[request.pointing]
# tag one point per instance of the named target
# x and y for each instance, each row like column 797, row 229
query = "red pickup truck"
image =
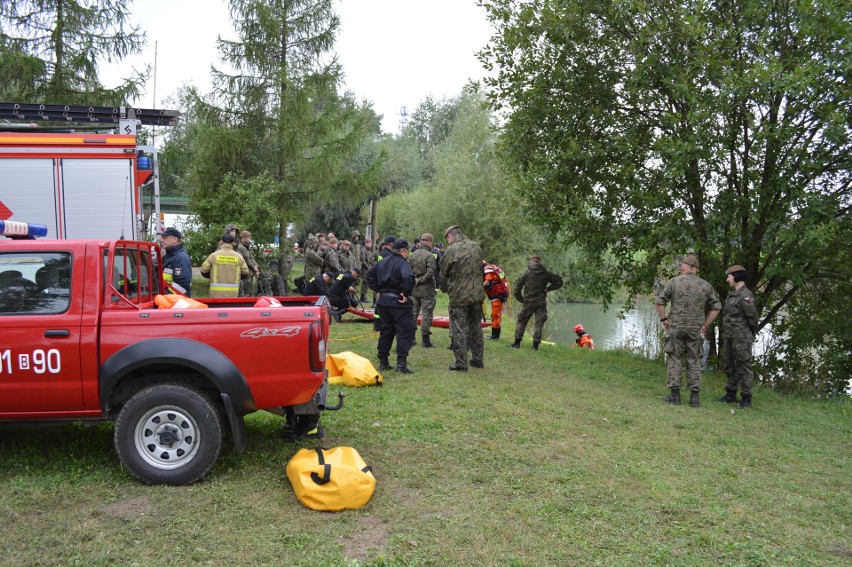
column 83, row 339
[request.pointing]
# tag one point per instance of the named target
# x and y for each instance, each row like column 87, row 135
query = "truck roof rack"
column 20, row 111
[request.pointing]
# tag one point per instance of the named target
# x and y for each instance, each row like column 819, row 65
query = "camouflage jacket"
column 330, row 262
column 346, row 260
column 424, row 266
column 739, row 317
column 461, row 272
column 313, row 261
column 534, row 284
column 690, row 297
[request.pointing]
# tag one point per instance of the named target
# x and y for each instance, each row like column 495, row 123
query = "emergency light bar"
column 14, row 229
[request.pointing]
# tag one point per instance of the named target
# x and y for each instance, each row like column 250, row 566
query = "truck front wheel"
column 168, row 434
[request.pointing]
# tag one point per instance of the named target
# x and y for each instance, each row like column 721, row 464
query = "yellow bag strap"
column 326, row 469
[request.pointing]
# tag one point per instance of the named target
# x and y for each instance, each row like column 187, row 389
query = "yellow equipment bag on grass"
column 350, row 369
column 331, row 479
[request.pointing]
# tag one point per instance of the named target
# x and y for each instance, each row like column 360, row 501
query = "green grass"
column 557, row 457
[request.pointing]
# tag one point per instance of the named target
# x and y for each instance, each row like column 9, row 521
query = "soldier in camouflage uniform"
column 685, row 325
column 244, row 248
column 739, row 325
column 424, row 266
column 328, row 253
column 313, row 260
column 346, row 258
column 531, row 289
column 461, row 279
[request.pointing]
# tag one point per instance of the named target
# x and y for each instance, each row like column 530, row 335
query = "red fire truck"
column 81, row 184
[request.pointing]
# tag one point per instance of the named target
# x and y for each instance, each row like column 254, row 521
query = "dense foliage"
column 50, row 51
column 641, row 130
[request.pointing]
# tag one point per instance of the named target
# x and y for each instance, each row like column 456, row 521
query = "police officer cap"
column 690, row 260
column 356, row 270
column 450, row 229
column 400, row 243
column 735, row 268
column 228, row 237
column 389, row 238
column 171, row 231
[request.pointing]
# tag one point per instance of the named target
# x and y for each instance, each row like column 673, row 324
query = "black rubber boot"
column 495, row 334
column 693, row 400
column 427, row 342
column 516, row 344
column 535, row 344
column 730, row 397
column 363, row 298
column 745, row 402
column 384, row 364
column 402, row 365
column 673, row 398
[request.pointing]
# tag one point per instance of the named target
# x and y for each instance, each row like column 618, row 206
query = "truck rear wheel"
column 168, row 434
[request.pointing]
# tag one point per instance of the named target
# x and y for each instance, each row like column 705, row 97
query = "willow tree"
column 296, row 134
column 648, row 128
column 50, row 51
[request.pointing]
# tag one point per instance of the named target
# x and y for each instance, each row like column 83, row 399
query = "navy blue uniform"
column 177, row 269
column 393, row 279
column 316, row 286
column 338, row 292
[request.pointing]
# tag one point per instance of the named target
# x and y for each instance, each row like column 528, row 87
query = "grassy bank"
column 557, row 457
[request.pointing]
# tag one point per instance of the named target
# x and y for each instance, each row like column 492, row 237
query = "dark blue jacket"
column 178, row 267
column 391, row 277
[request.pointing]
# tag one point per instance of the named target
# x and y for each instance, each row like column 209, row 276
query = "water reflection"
column 637, row 329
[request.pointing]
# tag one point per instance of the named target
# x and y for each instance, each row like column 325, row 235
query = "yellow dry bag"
column 351, row 369
column 331, row 479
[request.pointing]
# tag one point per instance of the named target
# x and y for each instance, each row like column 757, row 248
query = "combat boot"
column 363, row 298
column 673, row 398
column 535, row 344
column 516, row 344
column 384, row 364
column 427, row 342
column 745, row 401
column 730, row 397
column 693, row 399
column 402, row 365
column 495, row 334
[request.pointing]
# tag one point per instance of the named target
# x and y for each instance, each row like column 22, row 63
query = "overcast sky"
column 394, row 52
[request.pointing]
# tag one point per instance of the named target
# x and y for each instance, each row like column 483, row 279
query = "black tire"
column 169, row 434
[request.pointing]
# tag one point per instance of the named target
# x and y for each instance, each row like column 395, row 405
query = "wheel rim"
column 167, row 437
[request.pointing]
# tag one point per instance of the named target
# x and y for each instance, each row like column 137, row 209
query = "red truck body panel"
column 53, row 365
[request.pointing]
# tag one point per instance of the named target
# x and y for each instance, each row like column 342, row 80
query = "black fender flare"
column 194, row 355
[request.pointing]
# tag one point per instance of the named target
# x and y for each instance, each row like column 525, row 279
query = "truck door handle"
column 57, row 333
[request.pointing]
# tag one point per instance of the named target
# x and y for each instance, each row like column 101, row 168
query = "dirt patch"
column 368, row 542
column 133, row 508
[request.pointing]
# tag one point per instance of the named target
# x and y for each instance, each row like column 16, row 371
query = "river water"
column 638, row 330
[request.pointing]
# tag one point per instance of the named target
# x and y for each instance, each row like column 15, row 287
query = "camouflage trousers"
column 247, row 287
column 738, row 359
column 684, row 345
column 539, row 309
column 424, row 306
column 466, row 334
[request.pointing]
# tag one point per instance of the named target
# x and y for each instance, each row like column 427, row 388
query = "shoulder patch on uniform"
column 747, row 299
column 178, row 271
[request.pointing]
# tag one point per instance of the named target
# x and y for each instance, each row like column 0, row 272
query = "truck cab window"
column 37, row 283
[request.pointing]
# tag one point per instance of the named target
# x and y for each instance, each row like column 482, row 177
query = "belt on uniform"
column 391, row 293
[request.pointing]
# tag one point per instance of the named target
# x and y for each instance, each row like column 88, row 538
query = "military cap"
column 389, row 239
column 400, row 243
column 450, row 229
column 228, row 237
column 735, row 268
column 171, row 231
column 690, row 260
column 230, row 227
